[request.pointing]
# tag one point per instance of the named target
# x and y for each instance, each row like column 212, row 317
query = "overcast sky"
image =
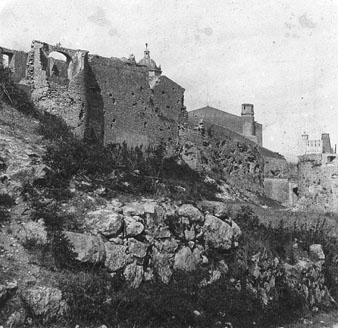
column 280, row 55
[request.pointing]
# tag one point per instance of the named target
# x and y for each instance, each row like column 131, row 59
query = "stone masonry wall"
column 318, row 181
column 66, row 101
column 16, row 61
column 133, row 112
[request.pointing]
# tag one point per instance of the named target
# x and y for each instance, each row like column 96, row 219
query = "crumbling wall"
column 17, row 61
column 275, row 167
column 238, row 163
column 168, row 100
column 133, row 112
column 318, row 181
column 66, row 100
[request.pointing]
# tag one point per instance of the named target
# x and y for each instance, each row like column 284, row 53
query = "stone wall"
column 66, row 100
column 244, row 125
column 17, row 61
column 133, row 111
column 278, row 189
column 318, row 181
column 225, row 155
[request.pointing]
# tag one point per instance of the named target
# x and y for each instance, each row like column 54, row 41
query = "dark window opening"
column 133, row 94
column 134, row 104
column 6, row 60
column 141, row 88
column 168, row 127
column 168, row 106
column 145, row 124
column 114, row 120
column 330, row 159
column 169, row 139
column 81, row 113
column 114, row 101
column 110, row 94
column 59, row 68
column 163, row 92
column 295, row 191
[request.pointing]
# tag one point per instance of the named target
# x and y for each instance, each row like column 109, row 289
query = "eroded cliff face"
column 237, row 163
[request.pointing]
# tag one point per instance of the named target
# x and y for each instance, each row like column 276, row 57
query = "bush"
column 12, row 94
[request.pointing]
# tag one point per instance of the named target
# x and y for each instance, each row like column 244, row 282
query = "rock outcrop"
column 170, row 238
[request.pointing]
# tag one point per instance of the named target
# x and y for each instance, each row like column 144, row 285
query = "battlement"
column 316, row 146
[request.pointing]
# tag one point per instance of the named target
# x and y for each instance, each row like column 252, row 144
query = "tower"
column 304, row 143
column 326, row 143
column 248, row 119
column 153, row 69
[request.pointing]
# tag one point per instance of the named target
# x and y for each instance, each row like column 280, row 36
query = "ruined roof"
column 211, row 109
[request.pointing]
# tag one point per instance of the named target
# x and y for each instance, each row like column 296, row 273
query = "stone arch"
column 59, row 69
column 6, row 60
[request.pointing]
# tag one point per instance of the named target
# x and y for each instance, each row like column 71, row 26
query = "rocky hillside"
column 132, row 238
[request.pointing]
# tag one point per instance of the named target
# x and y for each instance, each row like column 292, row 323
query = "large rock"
column 137, row 248
column 218, row 209
column 219, row 234
column 317, row 253
column 133, row 274
column 116, row 256
column 191, row 212
column 104, row 221
column 45, row 302
column 88, row 248
column 133, row 227
column 163, row 263
column 185, row 260
column 133, row 208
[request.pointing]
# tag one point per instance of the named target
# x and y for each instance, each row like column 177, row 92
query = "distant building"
column 245, row 124
column 318, row 174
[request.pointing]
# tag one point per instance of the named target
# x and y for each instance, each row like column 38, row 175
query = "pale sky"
column 280, row 55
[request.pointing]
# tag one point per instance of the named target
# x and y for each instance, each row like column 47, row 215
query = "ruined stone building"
column 318, row 174
column 110, row 99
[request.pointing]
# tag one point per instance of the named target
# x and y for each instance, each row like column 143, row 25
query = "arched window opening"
column 59, row 68
column 6, row 60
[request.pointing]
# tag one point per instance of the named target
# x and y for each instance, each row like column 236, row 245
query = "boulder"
column 133, row 227
column 215, row 208
column 45, row 302
column 191, row 212
column 163, row 263
column 185, row 260
column 116, row 256
column 137, row 248
column 317, row 253
column 133, row 208
column 133, row 274
column 88, row 248
column 104, row 221
column 219, row 234
column 167, row 245
column 189, row 234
